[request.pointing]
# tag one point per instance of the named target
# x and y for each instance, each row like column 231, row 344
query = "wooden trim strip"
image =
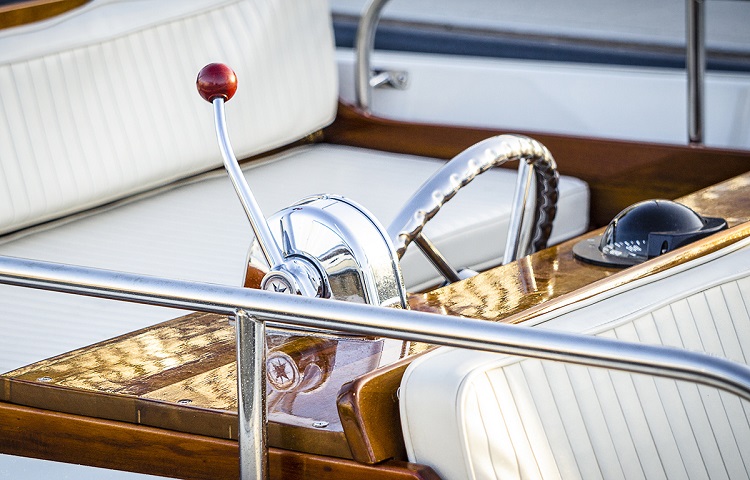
column 21, row 13
column 368, row 408
column 108, row 444
column 69, row 438
column 656, row 265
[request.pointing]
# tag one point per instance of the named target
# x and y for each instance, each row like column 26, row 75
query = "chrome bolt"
column 184, row 401
column 44, row 379
column 320, row 424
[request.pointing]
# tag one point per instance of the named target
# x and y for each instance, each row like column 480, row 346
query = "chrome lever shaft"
column 216, row 84
column 258, row 222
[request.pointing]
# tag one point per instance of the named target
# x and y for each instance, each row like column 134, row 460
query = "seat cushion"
column 196, row 230
column 100, row 103
column 499, row 416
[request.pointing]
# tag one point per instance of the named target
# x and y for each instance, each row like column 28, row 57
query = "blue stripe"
column 413, row 39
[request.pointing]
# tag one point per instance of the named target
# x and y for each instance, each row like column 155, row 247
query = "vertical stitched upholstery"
column 82, row 124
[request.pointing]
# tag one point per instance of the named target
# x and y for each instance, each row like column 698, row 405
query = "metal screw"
column 184, row 401
column 320, row 424
column 44, row 379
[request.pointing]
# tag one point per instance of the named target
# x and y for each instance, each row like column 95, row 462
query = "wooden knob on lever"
column 216, row 80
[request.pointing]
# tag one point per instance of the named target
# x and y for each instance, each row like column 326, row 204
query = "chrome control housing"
column 323, row 246
column 347, row 246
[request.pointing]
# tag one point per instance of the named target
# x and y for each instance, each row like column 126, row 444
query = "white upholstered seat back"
column 479, row 415
column 101, row 103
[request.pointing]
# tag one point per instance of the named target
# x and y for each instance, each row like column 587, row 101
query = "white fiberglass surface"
column 606, row 101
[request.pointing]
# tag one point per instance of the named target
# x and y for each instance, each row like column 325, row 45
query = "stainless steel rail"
column 695, row 62
column 253, row 308
column 251, row 395
column 364, row 44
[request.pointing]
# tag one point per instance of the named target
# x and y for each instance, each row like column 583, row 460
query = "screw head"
column 282, row 371
column 320, row 424
column 185, row 401
column 277, row 282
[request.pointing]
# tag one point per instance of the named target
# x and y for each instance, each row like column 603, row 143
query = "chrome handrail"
column 255, row 308
column 695, row 62
column 364, row 44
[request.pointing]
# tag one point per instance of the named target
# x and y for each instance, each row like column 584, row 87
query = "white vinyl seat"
column 506, row 417
column 109, row 158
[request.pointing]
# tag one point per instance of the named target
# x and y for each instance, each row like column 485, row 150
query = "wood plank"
column 142, row 361
column 520, row 290
column 517, row 292
column 368, row 408
column 121, row 446
column 181, row 375
column 108, row 444
column 21, row 13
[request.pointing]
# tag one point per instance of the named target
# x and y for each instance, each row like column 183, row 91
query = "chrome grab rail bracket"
column 364, row 77
column 397, row 79
column 251, row 395
column 255, row 306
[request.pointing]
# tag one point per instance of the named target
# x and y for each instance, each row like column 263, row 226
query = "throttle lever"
column 217, row 84
column 322, row 246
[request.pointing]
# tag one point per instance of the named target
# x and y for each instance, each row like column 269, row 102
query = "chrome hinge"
column 389, row 79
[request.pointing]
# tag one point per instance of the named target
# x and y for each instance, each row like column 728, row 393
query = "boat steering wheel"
column 460, row 171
